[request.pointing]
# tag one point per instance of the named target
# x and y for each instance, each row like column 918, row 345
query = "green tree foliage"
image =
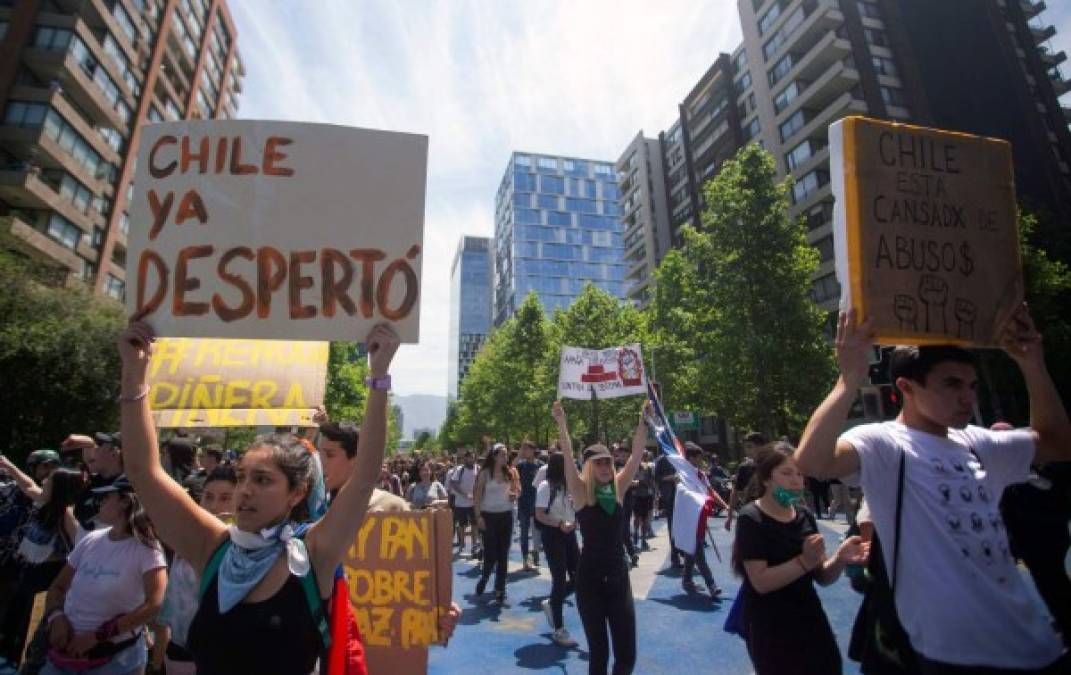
column 737, row 305
column 345, row 391
column 447, row 439
column 58, row 358
column 422, row 442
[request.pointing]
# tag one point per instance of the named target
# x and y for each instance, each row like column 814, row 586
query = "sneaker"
column 500, row 597
column 689, row 586
column 563, row 639
column 715, row 592
column 548, row 612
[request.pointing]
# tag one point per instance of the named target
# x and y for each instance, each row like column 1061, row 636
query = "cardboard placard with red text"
column 400, row 582
column 207, row 382
column 277, row 230
column 925, row 231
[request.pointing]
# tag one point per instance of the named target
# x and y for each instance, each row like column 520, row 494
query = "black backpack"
column 878, row 641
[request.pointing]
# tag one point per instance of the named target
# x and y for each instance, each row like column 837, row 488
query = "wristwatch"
column 379, row 383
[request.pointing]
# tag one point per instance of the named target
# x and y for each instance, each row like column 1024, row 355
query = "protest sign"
column 277, row 230
column 613, row 372
column 925, row 231
column 399, row 578
column 203, row 382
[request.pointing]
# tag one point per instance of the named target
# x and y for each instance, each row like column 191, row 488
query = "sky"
column 481, row 80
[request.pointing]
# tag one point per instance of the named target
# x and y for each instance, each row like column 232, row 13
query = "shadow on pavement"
column 546, row 656
column 479, row 610
column 693, row 602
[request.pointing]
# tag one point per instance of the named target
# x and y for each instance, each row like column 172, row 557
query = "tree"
column 345, row 391
column 58, row 357
column 448, row 431
column 744, row 309
column 422, row 441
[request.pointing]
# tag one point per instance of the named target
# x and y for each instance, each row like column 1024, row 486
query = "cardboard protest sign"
column 399, row 577
column 613, row 372
column 202, row 382
column 925, row 231
column 277, row 230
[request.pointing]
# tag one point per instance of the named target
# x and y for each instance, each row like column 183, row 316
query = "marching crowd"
column 170, row 557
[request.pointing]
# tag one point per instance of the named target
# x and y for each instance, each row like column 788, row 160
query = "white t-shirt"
column 540, row 476
column 466, row 483
column 562, row 508
column 108, row 579
column 959, row 594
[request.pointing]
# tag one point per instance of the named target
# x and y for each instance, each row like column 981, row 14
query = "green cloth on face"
column 604, row 495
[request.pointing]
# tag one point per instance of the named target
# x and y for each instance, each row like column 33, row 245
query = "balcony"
column 77, row 82
column 817, row 159
column 1051, row 59
column 823, row 19
column 837, row 79
column 818, row 122
column 35, row 143
column 25, row 188
column 1042, row 34
column 1059, row 84
column 1032, row 9
column 41, row 246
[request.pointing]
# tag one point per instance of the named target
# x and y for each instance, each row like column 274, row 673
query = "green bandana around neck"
column 604, row 495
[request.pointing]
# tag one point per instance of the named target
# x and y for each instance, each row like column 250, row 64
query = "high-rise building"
column 470, row 306
column 78, row 79
column 643, row 212
column 557, row 228
column 804, row 64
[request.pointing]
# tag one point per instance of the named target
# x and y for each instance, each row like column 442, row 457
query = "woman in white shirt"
column 554, row 511
column 497, row 488
column 427, row 493
column 113, row 584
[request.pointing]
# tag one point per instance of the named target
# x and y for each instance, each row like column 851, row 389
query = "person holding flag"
column 699, row 559
column 694, row 500
column 603, row 591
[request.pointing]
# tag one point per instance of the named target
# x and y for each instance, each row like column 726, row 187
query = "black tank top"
column 273, row 637
column 604, row 541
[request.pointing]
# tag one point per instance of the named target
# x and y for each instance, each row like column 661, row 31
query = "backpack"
column 878, row 640
column 345, row 658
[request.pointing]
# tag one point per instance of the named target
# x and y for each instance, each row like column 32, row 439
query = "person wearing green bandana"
column 603, row 592
column 780, row 555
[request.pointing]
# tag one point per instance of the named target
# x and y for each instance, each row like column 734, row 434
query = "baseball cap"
column 43, row 456
column 120, row 484
column 595, row 452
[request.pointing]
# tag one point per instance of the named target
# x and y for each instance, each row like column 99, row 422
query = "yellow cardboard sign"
column 925, row 230
column 201, row 382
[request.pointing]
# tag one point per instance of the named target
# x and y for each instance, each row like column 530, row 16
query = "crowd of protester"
column 181, row 556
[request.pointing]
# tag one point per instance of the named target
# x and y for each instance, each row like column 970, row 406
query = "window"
column 559, row 218
column 527, row 217
column 576, row 167
column 611, row 208
column 522, row 160
column 893, row 96
column 808, row 185
column 876, row 36
column 604, row 170
column 788, row 95
column 781, row 68
column 885, row 66
column 547, row 201
column 580, row 205
column 825, row 248
column 561, row 251
column 589, row 189
column 154, row 114
column 125, row 24
column 76, row 193
column 752, row 130
column 25, row 114
column 740, row 62
column 610, row 191
column 868, row 10
column 825, row 288
column 64, row 134
column 115, row 288
column 64, row 231
column 55, row 39
column 742, row 85
column 524, row 182
column 770, row 17
column 802, row 152
column 783, row 33
column 818, row 215
column 522, row 199
column 793, row 124
column 547, row 164
column 554, row 185
column 537, row 233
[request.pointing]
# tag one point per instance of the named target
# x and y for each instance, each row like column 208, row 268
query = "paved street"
column 677, row 633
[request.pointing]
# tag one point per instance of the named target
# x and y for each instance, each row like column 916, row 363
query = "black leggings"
column 603, row 600
column 497, row 530
column 562, row 554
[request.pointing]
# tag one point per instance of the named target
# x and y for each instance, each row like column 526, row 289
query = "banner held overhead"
column 277, row 230
column 613, row 372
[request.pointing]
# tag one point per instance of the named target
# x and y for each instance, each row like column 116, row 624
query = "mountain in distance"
column 421, row 411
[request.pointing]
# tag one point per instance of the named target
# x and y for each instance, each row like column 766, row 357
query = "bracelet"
column 135, row 398
column 378, row 383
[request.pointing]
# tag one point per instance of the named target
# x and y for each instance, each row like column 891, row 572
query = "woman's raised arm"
column 578, row 490
column 183, row 525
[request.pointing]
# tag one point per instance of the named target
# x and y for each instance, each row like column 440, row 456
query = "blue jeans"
column 525, row 516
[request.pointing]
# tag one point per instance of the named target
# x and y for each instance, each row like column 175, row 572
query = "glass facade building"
column 470, row 306
column 557, row 227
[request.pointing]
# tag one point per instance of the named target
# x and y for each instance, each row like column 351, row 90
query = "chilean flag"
column 694, row 502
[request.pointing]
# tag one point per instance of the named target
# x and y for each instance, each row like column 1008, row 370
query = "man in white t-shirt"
column 959, row 595
column 462, row 482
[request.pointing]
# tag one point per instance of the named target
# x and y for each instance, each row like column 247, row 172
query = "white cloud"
column 481, row 79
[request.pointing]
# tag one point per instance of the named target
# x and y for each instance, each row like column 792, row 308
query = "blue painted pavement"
column 676, row 632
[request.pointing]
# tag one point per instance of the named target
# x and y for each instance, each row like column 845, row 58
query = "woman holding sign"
column 263, row 580
column 603, row 592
